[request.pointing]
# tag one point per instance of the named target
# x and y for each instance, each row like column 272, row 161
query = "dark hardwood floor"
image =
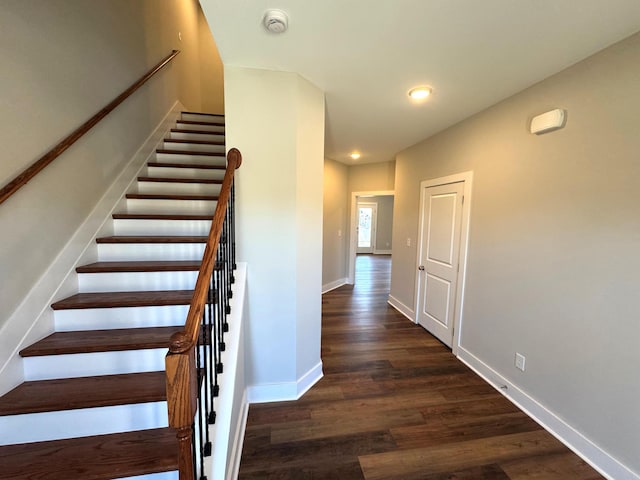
column 394, row 403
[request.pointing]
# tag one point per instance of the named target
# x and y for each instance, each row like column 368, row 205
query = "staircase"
column 93, row 405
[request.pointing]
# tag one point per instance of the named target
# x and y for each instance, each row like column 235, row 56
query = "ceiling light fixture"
column 275, row 21
column 355, row 155
column 420, row 93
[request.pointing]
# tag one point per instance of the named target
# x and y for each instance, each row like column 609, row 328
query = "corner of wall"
column 600, row 460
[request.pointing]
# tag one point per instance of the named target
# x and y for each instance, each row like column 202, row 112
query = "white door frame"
column 353, row 238
column 467, row 178
column 374, row 222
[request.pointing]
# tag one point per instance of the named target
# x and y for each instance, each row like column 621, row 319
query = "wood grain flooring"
column 395, row 403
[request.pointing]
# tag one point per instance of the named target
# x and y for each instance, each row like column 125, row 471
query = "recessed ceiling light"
column 355, row 155
column 420, row 93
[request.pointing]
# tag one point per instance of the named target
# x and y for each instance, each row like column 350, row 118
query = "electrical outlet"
column 408, row 242
column 339, row 233
column 520, row 359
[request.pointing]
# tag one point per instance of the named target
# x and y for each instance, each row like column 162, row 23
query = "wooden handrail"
column 183, row 341
column 182, row 384
column 14, row 185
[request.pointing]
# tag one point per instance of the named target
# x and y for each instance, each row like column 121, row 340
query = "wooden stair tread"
column 186, row 165
column 84, row 392
column 190, row 152
column 202, row 132
column 193, row 142
column 141, row 266
column 195, row 122
column 100, row 457
column 151, row 239
column 125, row 299
column 162, row 196
column 159, row 216
column 219, row 115
column 88, row 341
column 211, row 181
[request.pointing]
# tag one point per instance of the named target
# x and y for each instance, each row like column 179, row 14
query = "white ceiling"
column 366, row 54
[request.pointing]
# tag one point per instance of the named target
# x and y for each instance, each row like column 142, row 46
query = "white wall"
column 276, row 119
column 554, row 240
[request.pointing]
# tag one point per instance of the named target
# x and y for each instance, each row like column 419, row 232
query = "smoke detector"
column 276, row 21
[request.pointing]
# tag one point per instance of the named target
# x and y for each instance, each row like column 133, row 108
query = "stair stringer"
column 33, row 319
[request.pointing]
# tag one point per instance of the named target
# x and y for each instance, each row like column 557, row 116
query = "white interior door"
column 439, row 258
column 366, row 228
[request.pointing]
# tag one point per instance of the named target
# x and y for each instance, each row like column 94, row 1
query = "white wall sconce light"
column 549, row 121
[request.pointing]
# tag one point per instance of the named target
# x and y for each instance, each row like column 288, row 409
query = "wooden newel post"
column 182, row 402
column 185, row 455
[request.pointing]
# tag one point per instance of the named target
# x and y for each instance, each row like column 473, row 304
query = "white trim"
column 381, row 252
column 233, row 469
column 600, row 460
column 353, row 239
column 33, row 318
column 467, row 178
column 227, row 433
column 402, row 308
column 333, row 285
column 285, row 391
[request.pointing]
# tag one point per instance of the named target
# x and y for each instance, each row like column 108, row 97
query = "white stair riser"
column 83, row 422
column 207, row 137
column 136, row 281
column 137, row 205
column 122, row 317
column 161, row 227
column 200, row 117
column 190, row 159
column 179, row 188
column 200, row 128
column 111, row 252
column 176, row 172
column 97, row 363
column 193, row 147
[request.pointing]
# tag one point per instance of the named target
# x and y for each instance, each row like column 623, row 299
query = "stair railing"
column 194, row 360
column 27, row 174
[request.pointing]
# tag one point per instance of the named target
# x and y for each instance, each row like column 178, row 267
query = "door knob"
column 421, row 268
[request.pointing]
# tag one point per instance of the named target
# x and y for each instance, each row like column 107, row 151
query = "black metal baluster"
column 200, row 415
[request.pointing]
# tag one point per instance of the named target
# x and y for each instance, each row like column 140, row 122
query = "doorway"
column 356, row 199
column 442, row 252
column 366, row 228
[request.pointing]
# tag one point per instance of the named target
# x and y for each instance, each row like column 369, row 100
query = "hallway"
column 394, row 403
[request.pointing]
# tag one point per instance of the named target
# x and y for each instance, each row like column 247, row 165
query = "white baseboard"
column 309, row 379
column 285, row 391
column 402, row 308
column 600, row 460
column 33, row 319
column 381, row 252
column 333, row 285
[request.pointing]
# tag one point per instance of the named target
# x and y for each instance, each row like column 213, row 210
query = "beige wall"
column 276, row 119
column 63, row 60
column 211, row 69
column 554, row 240
column 335, row 223
column 384, row 226
column 371, row 177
